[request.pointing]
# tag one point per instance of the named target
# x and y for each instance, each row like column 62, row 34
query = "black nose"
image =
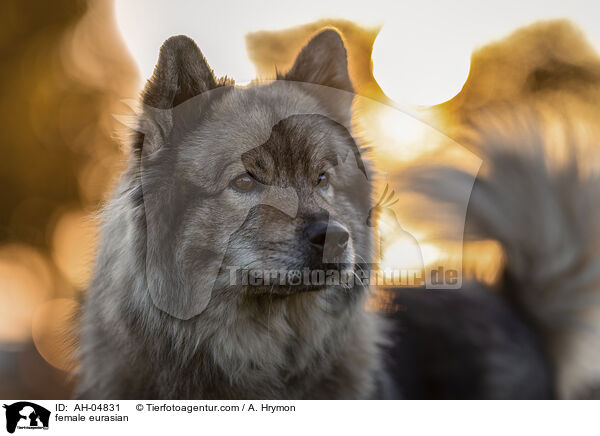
column 335, row 234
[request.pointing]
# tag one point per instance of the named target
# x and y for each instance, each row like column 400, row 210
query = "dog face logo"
column 26, row 415
column 268, row 177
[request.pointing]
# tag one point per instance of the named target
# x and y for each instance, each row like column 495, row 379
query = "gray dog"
column 225, row 177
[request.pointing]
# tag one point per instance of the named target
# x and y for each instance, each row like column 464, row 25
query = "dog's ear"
column 180, row 74
column 323, row 61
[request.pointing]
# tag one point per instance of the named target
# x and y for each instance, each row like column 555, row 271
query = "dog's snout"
column 336, row 236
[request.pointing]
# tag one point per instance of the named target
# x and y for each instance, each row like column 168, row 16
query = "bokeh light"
column 26, row 280
column 64, row 72
column 53, row 332
column 402, row 59
column 73, row 246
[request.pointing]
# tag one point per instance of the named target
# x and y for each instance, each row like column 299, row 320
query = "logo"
column 26, row 415
column 273, row 208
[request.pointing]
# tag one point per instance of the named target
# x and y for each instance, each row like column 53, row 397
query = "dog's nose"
column 335, row 234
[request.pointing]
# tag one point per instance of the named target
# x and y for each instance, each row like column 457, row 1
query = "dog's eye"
column 244, row 183
column 323, row 180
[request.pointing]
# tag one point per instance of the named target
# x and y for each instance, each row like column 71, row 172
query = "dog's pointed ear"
column 180, row 74
column 323, row 61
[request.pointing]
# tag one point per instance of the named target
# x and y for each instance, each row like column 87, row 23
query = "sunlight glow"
column 418, row 69
column 421, row 56
column 403, row 136
column 405, row 253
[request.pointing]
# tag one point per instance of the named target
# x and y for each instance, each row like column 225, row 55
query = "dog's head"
column 258, row 190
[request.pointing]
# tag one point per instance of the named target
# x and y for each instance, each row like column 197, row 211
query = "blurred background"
column 69, row 70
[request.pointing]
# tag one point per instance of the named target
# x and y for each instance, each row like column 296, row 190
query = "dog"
column 224, row 182
column 225, row 177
